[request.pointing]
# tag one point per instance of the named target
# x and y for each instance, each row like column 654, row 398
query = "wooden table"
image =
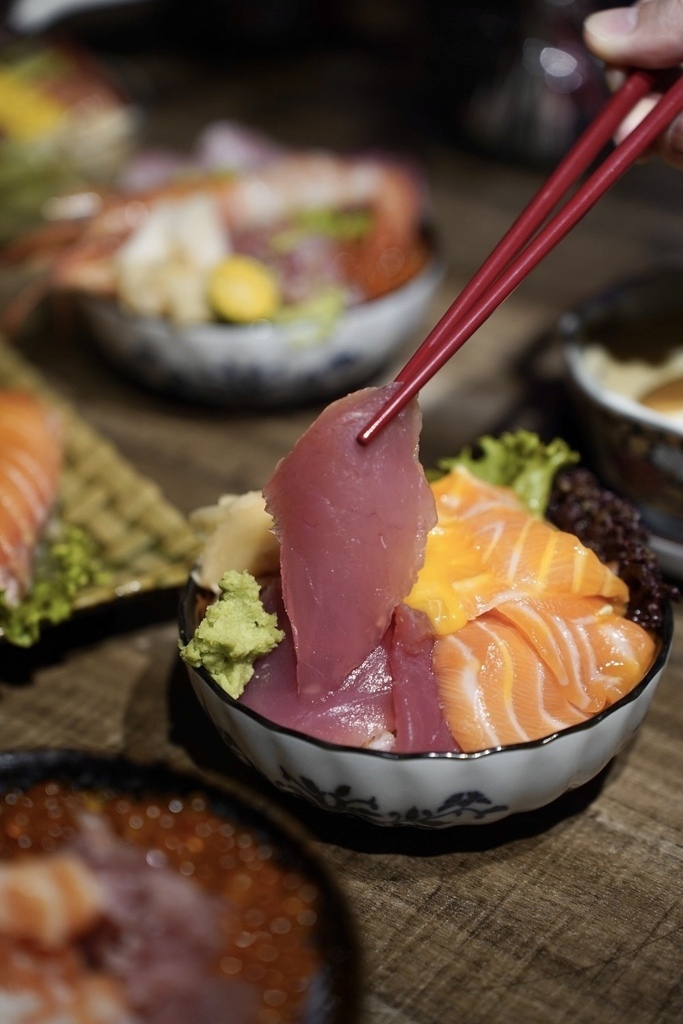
column 573, row 913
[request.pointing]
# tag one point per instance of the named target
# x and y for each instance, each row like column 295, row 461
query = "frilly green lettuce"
column 517, row 460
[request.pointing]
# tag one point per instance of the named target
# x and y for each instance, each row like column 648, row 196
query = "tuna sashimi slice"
column 352, row 523
column 420, row 723
column 358, row 713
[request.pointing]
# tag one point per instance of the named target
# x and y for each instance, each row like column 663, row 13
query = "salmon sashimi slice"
column 45, row 903
column 352, row 523
column 48, row 900
column 596, row 655
column 39, row 986
column 31, row 450
column 495, row 689
column 487, row 548
column 528, row 669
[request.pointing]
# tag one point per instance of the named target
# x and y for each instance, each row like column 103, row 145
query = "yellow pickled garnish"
column 25, row 111
column 242, row 289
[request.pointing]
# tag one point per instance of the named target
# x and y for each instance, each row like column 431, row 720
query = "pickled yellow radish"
column 243, row 289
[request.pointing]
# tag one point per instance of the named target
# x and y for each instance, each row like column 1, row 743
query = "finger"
column 670, row 144
column 648, row 34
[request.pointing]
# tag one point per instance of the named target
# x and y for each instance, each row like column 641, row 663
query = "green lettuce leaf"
column 517, row 460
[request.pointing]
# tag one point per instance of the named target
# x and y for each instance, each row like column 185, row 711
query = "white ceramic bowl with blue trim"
column 429, row 791
column 264, row 364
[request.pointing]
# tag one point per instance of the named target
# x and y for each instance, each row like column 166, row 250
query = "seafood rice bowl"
column 291, row 276
column 263, row 364
column 127, row 891
column 425, row 652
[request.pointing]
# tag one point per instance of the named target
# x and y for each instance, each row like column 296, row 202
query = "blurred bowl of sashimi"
column 424, row 653
column 246, row 275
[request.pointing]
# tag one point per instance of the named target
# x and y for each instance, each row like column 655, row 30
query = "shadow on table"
column 191, row 730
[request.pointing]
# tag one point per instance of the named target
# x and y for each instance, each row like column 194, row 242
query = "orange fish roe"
column 271, row 908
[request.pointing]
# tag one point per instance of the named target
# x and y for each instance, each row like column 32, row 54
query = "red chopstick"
column 501, row 274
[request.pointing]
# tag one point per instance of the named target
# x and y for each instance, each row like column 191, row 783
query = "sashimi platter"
column 425, row 648
column 80, row 527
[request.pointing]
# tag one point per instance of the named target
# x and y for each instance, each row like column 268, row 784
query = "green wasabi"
column 235, row 631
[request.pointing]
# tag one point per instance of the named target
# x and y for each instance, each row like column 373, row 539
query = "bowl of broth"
column 624, row 356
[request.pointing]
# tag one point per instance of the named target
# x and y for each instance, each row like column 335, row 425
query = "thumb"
column 649, row 34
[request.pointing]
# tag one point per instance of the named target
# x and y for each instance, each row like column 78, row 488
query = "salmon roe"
column 271, row 909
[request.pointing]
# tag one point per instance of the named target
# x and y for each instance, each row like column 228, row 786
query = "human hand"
column 649, row 34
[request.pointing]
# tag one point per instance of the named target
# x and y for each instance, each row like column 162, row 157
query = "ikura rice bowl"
column 125, row 901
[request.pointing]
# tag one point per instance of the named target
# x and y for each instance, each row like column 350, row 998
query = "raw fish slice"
column 56, row 986
column 360, row 712
column 495, row 689
column 542, row 559
column 596, row 655
column 352, row 523
column 48, row 900
column 420, row 723
column 30, row 463
column 488, row 549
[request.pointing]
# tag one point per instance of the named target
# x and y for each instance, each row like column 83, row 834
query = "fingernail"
column 619, row 21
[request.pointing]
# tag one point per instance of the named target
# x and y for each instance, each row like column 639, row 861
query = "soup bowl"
column 623, row 351
column 430, row 790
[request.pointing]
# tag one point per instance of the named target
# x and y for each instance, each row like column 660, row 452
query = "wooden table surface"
column 573, row 913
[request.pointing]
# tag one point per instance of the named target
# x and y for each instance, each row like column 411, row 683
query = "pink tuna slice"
column 420, row 724
column 352, row 523
column 356, row 714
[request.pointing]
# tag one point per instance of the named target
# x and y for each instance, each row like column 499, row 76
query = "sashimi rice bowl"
column 425, row 649
column 253, row 275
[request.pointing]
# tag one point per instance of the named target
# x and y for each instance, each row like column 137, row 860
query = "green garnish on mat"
column 68, row 564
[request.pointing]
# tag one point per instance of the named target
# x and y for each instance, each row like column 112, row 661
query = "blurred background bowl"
column 71, row 779
column 264, row 364
column 624, row 355
column 429, row 791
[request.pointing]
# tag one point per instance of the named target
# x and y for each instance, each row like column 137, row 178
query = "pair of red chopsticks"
column 511, row 261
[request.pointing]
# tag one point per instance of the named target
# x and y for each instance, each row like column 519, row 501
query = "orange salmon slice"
column 31, row 437
column 529, row 669
column 487, row 549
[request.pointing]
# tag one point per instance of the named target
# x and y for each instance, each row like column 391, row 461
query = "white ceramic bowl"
column 262, row 364
column 634, row 329
column 430, row 791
